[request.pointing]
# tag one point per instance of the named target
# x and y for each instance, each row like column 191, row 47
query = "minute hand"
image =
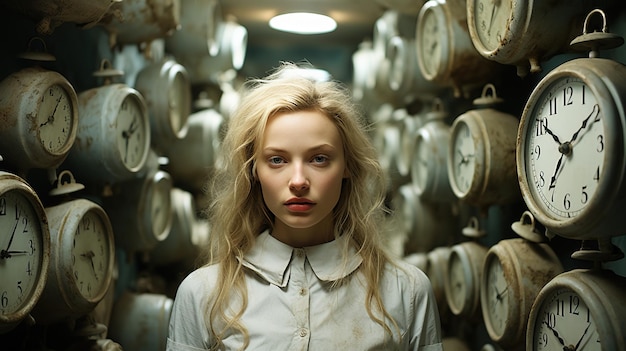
column 594, row 113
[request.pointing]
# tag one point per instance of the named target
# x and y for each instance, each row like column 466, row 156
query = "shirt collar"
column 270, row 259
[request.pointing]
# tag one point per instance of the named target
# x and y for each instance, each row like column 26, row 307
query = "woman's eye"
column 320, row 159
column 275, row 160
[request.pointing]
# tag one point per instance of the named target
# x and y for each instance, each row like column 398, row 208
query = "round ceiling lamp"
column 303, row 23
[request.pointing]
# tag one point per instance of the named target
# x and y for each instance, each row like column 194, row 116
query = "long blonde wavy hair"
column 237, row 212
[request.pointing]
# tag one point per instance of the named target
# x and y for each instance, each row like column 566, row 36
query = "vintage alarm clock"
column 166, row 89
column 581, row 309
column 445, row 53
column 24, row 250
column 514, row 271
column 464, row 271
column 481, row 155
column 113, row 138
column 429, row 172
column 524, row 33
column 40, row 125
column 82, row 258
column 141, row 211
column 570, row 150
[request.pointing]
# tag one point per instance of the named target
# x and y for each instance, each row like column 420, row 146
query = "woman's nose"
column 298, row 180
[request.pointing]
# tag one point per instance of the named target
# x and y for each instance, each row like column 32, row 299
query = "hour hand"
column 549, row 131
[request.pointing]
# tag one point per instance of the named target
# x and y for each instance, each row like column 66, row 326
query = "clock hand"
column 11, row 253
column 556, row 334
column 463, row 158
column 500, row 295
column 549, row 131
column 89, row 255
column 556, row 172
column 581, row 337
column 496, row 3
column 12, row 235
column 594, row 113
column 51, row 117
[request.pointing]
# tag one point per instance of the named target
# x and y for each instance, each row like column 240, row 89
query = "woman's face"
column 301, row 166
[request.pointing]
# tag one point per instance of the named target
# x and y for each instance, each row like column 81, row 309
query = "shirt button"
column 299, row 252
column 302, row 291
column 303, row 332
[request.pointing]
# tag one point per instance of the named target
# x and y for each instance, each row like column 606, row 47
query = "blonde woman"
column 296, row 260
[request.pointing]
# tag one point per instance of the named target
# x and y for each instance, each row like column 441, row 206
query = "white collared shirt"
column 292, row 306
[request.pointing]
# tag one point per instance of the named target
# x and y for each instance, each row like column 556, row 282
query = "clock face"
column 496, row 290
column 565, row 322
column 23, row 257
column 490, row 21
column 463, row 157
column 161, row 206
column 564, row 148
column 422, row 164
column 431, row 32
column 179, row 102
column 55, row 119
column 90, row 255
column 131, row 136
column 458, row 289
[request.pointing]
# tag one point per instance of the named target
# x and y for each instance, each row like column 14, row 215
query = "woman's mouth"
column 299, row 204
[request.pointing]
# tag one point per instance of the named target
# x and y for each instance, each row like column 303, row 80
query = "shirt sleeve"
column 187, row 329
column 425, row 330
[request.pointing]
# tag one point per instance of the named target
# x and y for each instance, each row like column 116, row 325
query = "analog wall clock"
column 579, row 310
column 445, row 53
column 570, row 151
column 141, row 211
column 481, row 155
column 513, row 32
column 82, row 258
column 462, row 284
column 166, row 88
column 429, row 172
column 514, row 271
column 41, row 126
column 24, row 250
column 113, row 135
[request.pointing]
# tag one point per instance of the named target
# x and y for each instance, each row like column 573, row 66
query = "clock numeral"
column 552, row 105
column 537, row 152
column 600, row 147
column 25, row 223
column 3, row 207
column 560, row 309
column 566, row 202
column 584, row 196
column 568, row 92
column 4, row 299
column 574, row 303
column 542, row 126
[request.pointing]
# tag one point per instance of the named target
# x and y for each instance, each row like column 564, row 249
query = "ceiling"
column 355, row 19
column 331, row 51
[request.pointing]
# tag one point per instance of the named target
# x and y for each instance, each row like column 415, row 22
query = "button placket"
column 301, row 308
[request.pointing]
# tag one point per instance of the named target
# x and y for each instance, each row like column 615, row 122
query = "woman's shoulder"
column 406, row 273
column 199, row 280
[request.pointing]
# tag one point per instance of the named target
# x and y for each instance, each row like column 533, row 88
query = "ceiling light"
column 303, row 23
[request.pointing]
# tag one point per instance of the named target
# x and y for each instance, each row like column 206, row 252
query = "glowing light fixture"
column 303, row 23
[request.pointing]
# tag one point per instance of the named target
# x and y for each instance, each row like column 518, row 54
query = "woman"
column 296, row 259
